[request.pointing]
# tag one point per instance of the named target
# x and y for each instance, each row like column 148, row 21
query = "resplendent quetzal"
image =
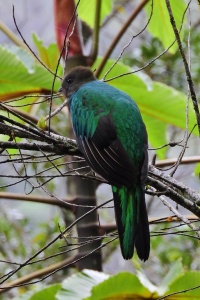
column 113, row 139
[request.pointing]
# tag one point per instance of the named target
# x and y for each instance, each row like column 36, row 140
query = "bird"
column 112, row 137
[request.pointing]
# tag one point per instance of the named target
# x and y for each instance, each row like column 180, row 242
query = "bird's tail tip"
column 132, row 222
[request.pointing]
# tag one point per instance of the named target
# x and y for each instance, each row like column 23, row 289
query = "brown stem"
column 105, row 229
column 37, row 274
column 41, row 199
column 172, row 161
column 95, row 39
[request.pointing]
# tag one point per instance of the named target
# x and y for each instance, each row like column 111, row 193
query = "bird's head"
column 74, row 79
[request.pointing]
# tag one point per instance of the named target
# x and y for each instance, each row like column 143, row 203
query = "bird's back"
column 97, row 99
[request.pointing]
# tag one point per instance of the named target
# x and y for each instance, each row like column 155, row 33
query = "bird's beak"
column 60, row 90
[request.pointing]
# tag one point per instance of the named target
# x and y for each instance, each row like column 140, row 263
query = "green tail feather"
column 132, row 221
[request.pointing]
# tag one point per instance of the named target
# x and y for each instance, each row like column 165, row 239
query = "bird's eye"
column 69, row 80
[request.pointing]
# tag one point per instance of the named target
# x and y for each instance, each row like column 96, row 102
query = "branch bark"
column 175, row 190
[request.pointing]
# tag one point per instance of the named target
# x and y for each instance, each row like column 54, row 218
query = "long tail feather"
column 132, row 221
column 142, row 240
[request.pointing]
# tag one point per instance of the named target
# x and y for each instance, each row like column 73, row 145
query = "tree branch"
column 184, row 161
column 37, row 274
column 18, row 132
column 58, row 149
column 175, row 190
column 39, row 199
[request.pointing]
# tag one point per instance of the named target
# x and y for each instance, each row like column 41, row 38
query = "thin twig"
column 179, row 292
column 50, row 115
column 37, row 274
column 154, row 59
column 178, row 215
column 53, row 241
column 59, row 59
column 50, row 270
column 27, row 45
column 119, row 35
column 128, row 44
column 187, row 69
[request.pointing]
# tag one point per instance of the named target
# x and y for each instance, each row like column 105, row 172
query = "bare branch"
column 175, row 190
column 58, row 149
column 171, row 161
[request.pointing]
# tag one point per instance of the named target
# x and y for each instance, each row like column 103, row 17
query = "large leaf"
column 20, row 77
column 120, row 286
column 189, row 280
column 78, row 286
column 86, row 11
column 48, row 55
column 93, row 285
column 159, row 104
column 47, row 293
column 160, row 25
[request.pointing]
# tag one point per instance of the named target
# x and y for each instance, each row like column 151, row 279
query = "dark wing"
column 145, row 163
column 106, row 155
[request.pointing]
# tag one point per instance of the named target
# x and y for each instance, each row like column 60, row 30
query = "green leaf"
column 48, row 55
column 197, row 170
column 84, row 280
column 189, row 280
column 41, row 293
column 160, row 25
column 157, row 102
column 25, row 57
column 120, row 286
column 86, row 11
column 17, row 80
column 47, row 293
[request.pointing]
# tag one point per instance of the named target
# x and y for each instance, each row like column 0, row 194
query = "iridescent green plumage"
column 112, row 137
